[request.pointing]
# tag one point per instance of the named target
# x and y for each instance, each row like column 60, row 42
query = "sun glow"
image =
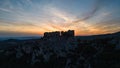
column 39, row 16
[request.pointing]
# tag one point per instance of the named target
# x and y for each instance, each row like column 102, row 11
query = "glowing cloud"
column 38, row 16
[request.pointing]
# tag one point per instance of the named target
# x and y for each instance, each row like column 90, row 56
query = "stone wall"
column 69, row 33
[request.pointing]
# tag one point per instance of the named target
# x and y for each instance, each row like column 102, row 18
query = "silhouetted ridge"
column 62, row 50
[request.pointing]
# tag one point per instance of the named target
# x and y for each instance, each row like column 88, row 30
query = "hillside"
column 98, row 51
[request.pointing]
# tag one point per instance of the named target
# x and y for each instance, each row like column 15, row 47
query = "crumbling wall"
column 69, row 33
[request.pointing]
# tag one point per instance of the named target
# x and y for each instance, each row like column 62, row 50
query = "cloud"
column 28, row 16
column 6, row 10
column 90, row 14
column 108, row 26
column 60, row 14
column 68, row 22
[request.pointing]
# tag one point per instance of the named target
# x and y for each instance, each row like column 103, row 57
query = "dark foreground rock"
column 74, row 52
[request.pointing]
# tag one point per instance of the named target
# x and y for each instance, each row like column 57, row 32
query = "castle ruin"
column 69, row 33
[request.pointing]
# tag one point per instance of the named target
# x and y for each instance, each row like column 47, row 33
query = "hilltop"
column 56, row 50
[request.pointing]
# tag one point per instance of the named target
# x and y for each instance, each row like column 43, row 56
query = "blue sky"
column 34, row 17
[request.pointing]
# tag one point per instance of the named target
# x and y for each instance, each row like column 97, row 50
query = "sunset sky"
column 34, row 17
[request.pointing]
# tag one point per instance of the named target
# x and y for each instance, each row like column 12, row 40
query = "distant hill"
column 110, row 35
column 19, row 38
